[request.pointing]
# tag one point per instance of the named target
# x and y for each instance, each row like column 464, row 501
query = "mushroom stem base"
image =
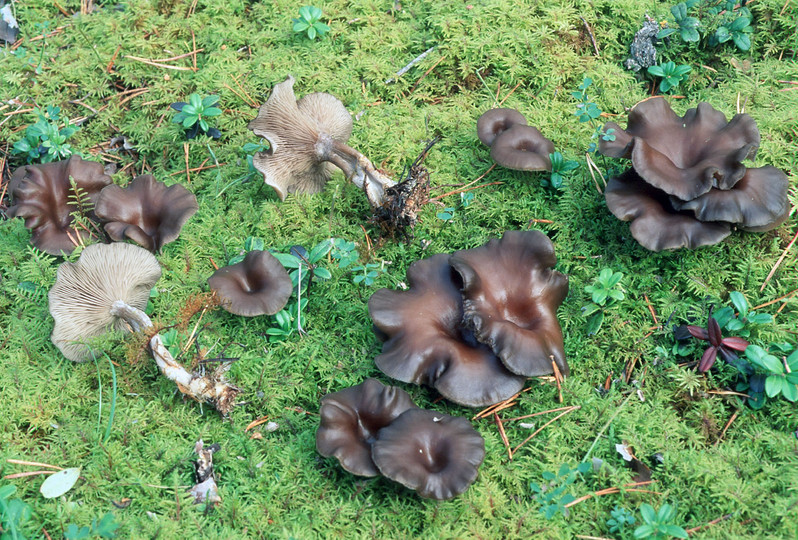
column 357, row 167
column 206, row 388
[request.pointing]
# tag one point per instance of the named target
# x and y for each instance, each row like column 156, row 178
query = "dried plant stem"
column 708, row 524
column 503, row 435
column 782, row 297
column 611, row 491
column 603, row 429
column 541, row 428
column 208, row 388
column 558, row 409
column 784, row 254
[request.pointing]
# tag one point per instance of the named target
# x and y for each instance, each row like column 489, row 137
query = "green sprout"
column 309, row 22
column 671, row 74
column 194, row 114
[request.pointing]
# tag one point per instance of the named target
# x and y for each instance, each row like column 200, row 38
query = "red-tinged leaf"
column 708, row 359
column 713, row 328
column 697, row 332
column 736, row 343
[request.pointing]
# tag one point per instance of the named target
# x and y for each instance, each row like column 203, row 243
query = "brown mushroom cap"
column 44, row 198
column 426, row 343
column 758, row 201
column 656, row 225
column 84, row 291
column 494, row 122
column 258, row 285
column 292, row 163
column 522, row 148
column 433, row 453
column 351, row 418
column 684, row 156
column 146, row 211
column 511, row 296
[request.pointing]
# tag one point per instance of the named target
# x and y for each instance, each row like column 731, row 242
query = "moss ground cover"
column 717, row 458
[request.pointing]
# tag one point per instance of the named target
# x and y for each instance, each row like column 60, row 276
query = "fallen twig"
column 541, row 428
column 784, row 254
column 412, row 63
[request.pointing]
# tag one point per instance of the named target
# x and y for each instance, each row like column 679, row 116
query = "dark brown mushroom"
column 435, row 454
column 426, row 343
column 44, row 197
column 351, row 418
column 494, row 122
column 656, row 225
column 758, row 201
column 684, row 156
column 258, row 285
column 146, row 211
column 511, row 296
column 522, row 148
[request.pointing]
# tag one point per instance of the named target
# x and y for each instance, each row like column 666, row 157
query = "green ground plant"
column 718, row 458
column 44, row 140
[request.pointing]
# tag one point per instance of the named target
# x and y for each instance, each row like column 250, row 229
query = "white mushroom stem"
column 208, row 388
column 357, row 167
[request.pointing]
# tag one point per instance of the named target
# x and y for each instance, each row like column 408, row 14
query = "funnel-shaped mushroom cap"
column 426, row 343
column 81, row 299
column 292, row 163
column 522, row 148
column 258, row 285
column 684, row 156
column 146, row 211
column 758, row 201
column 351, row 418
column 655, row 223
column 494, row 122
column 511, row 296
column 44, row 198
column 433, row 453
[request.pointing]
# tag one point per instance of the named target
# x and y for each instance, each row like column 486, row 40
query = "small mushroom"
column 522, row 148
column 656, row 225
column 44, row 197
column 758, row 201
column 510, row 300
column 684, row 156
column 426, row 342
column 435, row 454
column 494, row 122
column 304, row 137
column 109, row 286
column 258, row 285
column 146, row 211
column 351, row 418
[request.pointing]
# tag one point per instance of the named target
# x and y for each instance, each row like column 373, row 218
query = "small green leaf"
column 209, row 101
column 212, row 111
column 59, row 483
column 594, row 323
column 300, row 26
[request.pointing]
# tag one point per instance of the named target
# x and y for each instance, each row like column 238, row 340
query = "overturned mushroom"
column 494, row 122
column 258, row 285
column 426, row 343
column 351, row 418
column 146, row 211
column 656, row 224
column 511, row 296
column 435, row 454
column 683, row 156
column 108, row 287
column 303, row 138
column 522, row 148
column 44, row 196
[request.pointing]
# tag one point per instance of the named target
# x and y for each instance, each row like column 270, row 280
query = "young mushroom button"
column 258, row 285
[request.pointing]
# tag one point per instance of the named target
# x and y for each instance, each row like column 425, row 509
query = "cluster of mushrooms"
column 48, row 196
column 514, row 144
column 373, row 429
column 475, row 324
column 687, row 186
